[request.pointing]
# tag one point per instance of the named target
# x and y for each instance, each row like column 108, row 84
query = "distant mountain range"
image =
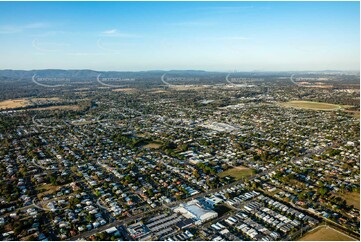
column 20, row 74
column 92, row 73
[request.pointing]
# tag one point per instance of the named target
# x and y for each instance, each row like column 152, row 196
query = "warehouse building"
column 194, row 210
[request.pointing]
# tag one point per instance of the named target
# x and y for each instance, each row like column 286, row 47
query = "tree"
column 31, row 238
column 89, row 218
column 102, row 236
column 53, row 181
column 322, row 191
column 195, row 174
column 150, row 193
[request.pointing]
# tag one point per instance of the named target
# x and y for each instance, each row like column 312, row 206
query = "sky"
column 214, row 36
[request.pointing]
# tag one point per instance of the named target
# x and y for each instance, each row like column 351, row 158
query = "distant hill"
column 91, row 73
column 86, row 74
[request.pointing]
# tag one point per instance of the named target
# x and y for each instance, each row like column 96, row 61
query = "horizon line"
column 170, row 70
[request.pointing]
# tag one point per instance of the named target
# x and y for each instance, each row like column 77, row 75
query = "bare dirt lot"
column 325, row 233
column 352, row 198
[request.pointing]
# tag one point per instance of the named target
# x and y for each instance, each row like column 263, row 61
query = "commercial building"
column 194, row 210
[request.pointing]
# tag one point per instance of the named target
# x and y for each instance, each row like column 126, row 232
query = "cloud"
column 116, row 33
column 12, row 29
column 9, row 29
column 111, row 31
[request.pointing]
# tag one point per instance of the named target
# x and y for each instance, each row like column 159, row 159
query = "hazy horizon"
column 170, row 70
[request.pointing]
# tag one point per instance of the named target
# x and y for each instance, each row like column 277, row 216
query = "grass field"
column 311, row 105
column 64, row 107
column 158, row 91
column 152, row 145
column 14, row 103
column 352, row 198
column 45, row 189
column 237, row 173
column 23, row 103
column 187, row 87
column 325, row 233
column 356, row 114
column 315, row 85
column 44, row 99
column 126, row 90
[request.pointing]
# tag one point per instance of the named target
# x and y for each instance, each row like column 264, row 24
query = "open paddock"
column 152, row 145
column 45, row 189
column 352, row 198
column 188, row 87
column 237, row 173
column 44, row 99
column 311, row 105
column 64, row 107
column 326, row 233
column 14, row 103
column 126, row 90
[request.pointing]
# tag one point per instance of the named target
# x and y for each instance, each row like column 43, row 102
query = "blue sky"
column 220, row 36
